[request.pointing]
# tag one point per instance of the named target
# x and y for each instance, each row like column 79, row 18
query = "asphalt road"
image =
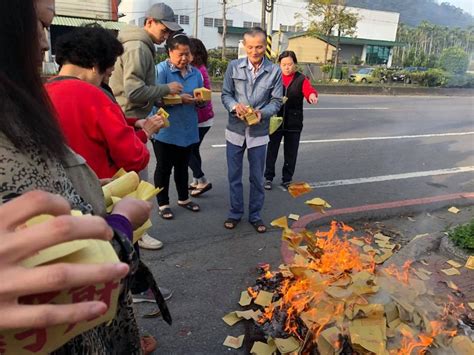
column 356, row 150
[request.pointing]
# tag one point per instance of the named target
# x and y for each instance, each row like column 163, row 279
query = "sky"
column 466, row 5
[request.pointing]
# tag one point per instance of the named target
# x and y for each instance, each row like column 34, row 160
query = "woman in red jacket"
column 93, row 124
column 296, row 88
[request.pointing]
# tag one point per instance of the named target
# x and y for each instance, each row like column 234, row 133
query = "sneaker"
column 147, row 296
column 268, row 185
column 147, row 242
column 285, row 185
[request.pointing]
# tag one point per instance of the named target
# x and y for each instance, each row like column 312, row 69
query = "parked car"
column 364, row 75
column 404, row 75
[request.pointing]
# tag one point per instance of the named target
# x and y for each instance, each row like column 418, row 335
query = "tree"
column 454, row 60
column 327, row 15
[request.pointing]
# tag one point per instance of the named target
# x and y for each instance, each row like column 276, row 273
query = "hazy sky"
column 466, row 5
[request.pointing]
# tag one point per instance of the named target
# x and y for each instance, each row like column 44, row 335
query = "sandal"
column 191, row 206
column 192, row 187
column 231, row 223
column 259, row 226
column 166, row 213
column 199, row 191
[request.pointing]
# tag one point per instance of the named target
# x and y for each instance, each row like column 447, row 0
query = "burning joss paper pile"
column 336, row 297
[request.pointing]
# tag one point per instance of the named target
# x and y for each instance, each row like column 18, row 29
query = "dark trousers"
column 169, row 157
column 290, row 150
column 195, row 162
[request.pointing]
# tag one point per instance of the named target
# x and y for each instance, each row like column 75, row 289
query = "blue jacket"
column 263, row 93
column 183, row 130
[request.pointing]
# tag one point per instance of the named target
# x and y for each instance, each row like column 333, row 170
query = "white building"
column 240, row 14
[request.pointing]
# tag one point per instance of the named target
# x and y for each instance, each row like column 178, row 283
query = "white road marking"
column 359, row 139
column 416, row 174
column 346, row 108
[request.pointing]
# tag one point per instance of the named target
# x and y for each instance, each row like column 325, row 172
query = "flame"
column 403, row 275
column 252, row 292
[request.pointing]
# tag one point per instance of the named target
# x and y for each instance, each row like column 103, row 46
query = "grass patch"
column 463, row 235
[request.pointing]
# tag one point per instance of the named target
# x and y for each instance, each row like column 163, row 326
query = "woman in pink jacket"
column 205, row 117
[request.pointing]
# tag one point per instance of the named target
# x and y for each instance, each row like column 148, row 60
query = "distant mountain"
column 412, row 12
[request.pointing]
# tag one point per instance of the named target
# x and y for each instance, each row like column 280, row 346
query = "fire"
column 403, row 275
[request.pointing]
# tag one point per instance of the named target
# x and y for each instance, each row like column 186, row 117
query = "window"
column 377, row 54
column 208, row 22
column 247, row 24
column 291, row 29
column 283, row 28
column 218, row 22
column 141, row 21
column 184, row 20
column 230, row 23
column 256, row 24
column 176, row 17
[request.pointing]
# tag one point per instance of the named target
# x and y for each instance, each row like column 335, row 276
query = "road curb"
column 378, row 210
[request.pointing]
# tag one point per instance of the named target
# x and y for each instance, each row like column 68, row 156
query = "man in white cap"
column 134, row 79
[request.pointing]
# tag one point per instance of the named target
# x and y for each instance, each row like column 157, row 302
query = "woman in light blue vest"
column 173, row 145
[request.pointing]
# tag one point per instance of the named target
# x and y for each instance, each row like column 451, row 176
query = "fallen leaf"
column 454, row 210
column 234, row 343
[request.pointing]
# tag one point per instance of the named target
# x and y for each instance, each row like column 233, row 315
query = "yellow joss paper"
column 165, row 116
column 275, row 123
column 121, row 187
column 318, row 204
column 251, row 117
column 281, row 222
column 297, row 189
column 172, row 99
column 203, row 94
column 470, row 262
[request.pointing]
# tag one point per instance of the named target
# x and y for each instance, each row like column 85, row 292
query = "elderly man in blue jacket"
column 253, row 82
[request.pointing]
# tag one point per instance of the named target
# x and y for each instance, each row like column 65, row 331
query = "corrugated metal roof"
column 78, row 22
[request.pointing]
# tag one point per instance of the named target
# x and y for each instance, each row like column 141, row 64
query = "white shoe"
column 147, row 242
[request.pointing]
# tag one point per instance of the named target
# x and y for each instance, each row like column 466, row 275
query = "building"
column 241, row 14
column 372, row 42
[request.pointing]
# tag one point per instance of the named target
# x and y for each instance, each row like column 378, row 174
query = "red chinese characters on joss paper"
column 89, row 293
column 38, row 336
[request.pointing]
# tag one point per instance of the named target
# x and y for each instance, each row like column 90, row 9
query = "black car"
column 404, row 75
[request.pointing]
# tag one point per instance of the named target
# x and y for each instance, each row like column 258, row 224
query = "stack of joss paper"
column 129, row 185
column 251, row 116
column 172, row 99
column 203, row 94
column 45, row 340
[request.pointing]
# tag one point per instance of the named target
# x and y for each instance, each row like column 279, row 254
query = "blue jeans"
column 256, row 157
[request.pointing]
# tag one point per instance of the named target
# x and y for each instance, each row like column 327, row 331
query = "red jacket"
column 95, row 127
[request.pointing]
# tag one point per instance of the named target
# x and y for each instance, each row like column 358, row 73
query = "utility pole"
column 224, row 26
column 270, row 6
column 263, row 19
column 196, row 18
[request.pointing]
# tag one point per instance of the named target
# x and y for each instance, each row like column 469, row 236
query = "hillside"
column 413, row 12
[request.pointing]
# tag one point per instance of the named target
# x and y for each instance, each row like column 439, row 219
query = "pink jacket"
column 205, row 113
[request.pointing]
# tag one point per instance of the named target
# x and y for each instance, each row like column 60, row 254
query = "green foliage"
column 460, row 81
column 327, row 68
column 454, row 60
column 463, row 236
column 217, row 67
column 345, row 72
column 431, row 78
column 160, row 57
column 355, row 60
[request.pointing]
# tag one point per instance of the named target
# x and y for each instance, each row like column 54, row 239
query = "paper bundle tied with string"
column 172, row 99
column 165, row 116
column 45, row 340
column 129, row 185
column 203, row 94
column 275, row 123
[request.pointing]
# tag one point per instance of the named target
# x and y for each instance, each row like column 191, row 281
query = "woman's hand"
column 140, row 123
column 175, row 88
column 313, row 99
column 136, row 211
column 17, row 244
column 153, row 125
column 188, row 99
column 240, row 110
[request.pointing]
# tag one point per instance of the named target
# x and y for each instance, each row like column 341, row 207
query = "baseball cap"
column 165, row 15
